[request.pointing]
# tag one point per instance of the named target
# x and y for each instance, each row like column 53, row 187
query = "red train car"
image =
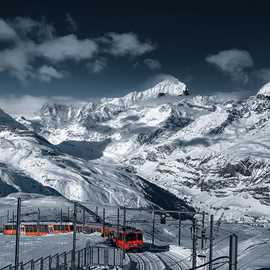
column 34, row 229
column 130, row 240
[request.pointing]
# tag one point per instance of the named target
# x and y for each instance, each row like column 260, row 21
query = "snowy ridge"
column 265, row 90
column 210, row 151
column 167, row 87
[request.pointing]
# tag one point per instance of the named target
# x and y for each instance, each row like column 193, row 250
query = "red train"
column 126, row 238
column 34, row 229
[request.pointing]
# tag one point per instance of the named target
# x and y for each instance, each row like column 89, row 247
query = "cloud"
column 22, row 105
column 262, row 74
column 125, row 44
column 72, row 24
column 47, row 73
column 6, row 31
column 36, row 50
column 152, row 63
column 67, row 48
column 234, row 62
column 28, row 106
column 16, row 61
column 97, row 66
column 28, row 28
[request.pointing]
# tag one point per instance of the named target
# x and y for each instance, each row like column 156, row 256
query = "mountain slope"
column 210, row 151
column 29, row 163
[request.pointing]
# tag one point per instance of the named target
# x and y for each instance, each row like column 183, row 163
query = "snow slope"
column 29, row 163
column 210, row 151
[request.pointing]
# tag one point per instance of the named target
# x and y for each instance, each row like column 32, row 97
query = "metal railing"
column 88, row 256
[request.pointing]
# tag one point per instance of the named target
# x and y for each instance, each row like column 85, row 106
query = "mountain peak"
column 264, row 91
column 171, row 87
column 167, row 87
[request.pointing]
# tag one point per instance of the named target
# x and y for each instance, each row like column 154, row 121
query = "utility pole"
column 211, row 239
column 153, row 228
column 179, row 229
column 97, row 214
column 103, row 223
column 61, row 218
column 18, row 230
column 125, row 216
column 84, row 218
column 118, row 222
column 38, row 220
column 194, row 244
column 13, row 218
column 203, row 230
column 73, row 259
column 233, row 252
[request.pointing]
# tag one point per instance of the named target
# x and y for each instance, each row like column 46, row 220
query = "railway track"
column 156, row 261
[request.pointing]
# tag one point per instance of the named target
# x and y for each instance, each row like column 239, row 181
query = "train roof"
column 40, row 223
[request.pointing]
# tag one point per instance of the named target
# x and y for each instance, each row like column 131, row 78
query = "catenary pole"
column 194, row 244
column 179, row 229
column 211, row 239
column 18, row 223
column 153, row 228
column 73, row 265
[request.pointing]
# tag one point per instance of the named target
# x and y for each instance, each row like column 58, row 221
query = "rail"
column 86, row 257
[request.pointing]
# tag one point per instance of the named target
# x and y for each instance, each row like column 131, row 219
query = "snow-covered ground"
column 36, row 247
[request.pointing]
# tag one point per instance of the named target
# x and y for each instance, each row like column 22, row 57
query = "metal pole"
column 203, row 230
column 84, row 216
column 18, row 223
column 153, row 228
column 194, row 244
column 118, row 222
column 38, row 221
column 13, row 218
column 103, row 223
column 7, row 216
column 68, row 215
column 233, row 252
column 124, row 218
column 211, row 239
column 73, row 266
column 96, row 213
column 179, row 229
column 61, row 218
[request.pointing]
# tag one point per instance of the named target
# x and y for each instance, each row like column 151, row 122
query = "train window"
column 121, row 236
column 31, row 228
column 131, row 237
column 10, row 227
column 139, row 236
column 43, row 228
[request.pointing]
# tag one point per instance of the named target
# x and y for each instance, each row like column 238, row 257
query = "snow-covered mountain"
column 210, row 151
column 31, row 164
column 60, row 122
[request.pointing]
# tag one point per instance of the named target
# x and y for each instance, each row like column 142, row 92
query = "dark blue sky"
column 182, row 37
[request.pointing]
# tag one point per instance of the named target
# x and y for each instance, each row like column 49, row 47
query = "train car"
column 35, row 229
column 9, row 229
column 130, row 240
column 127, row 238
